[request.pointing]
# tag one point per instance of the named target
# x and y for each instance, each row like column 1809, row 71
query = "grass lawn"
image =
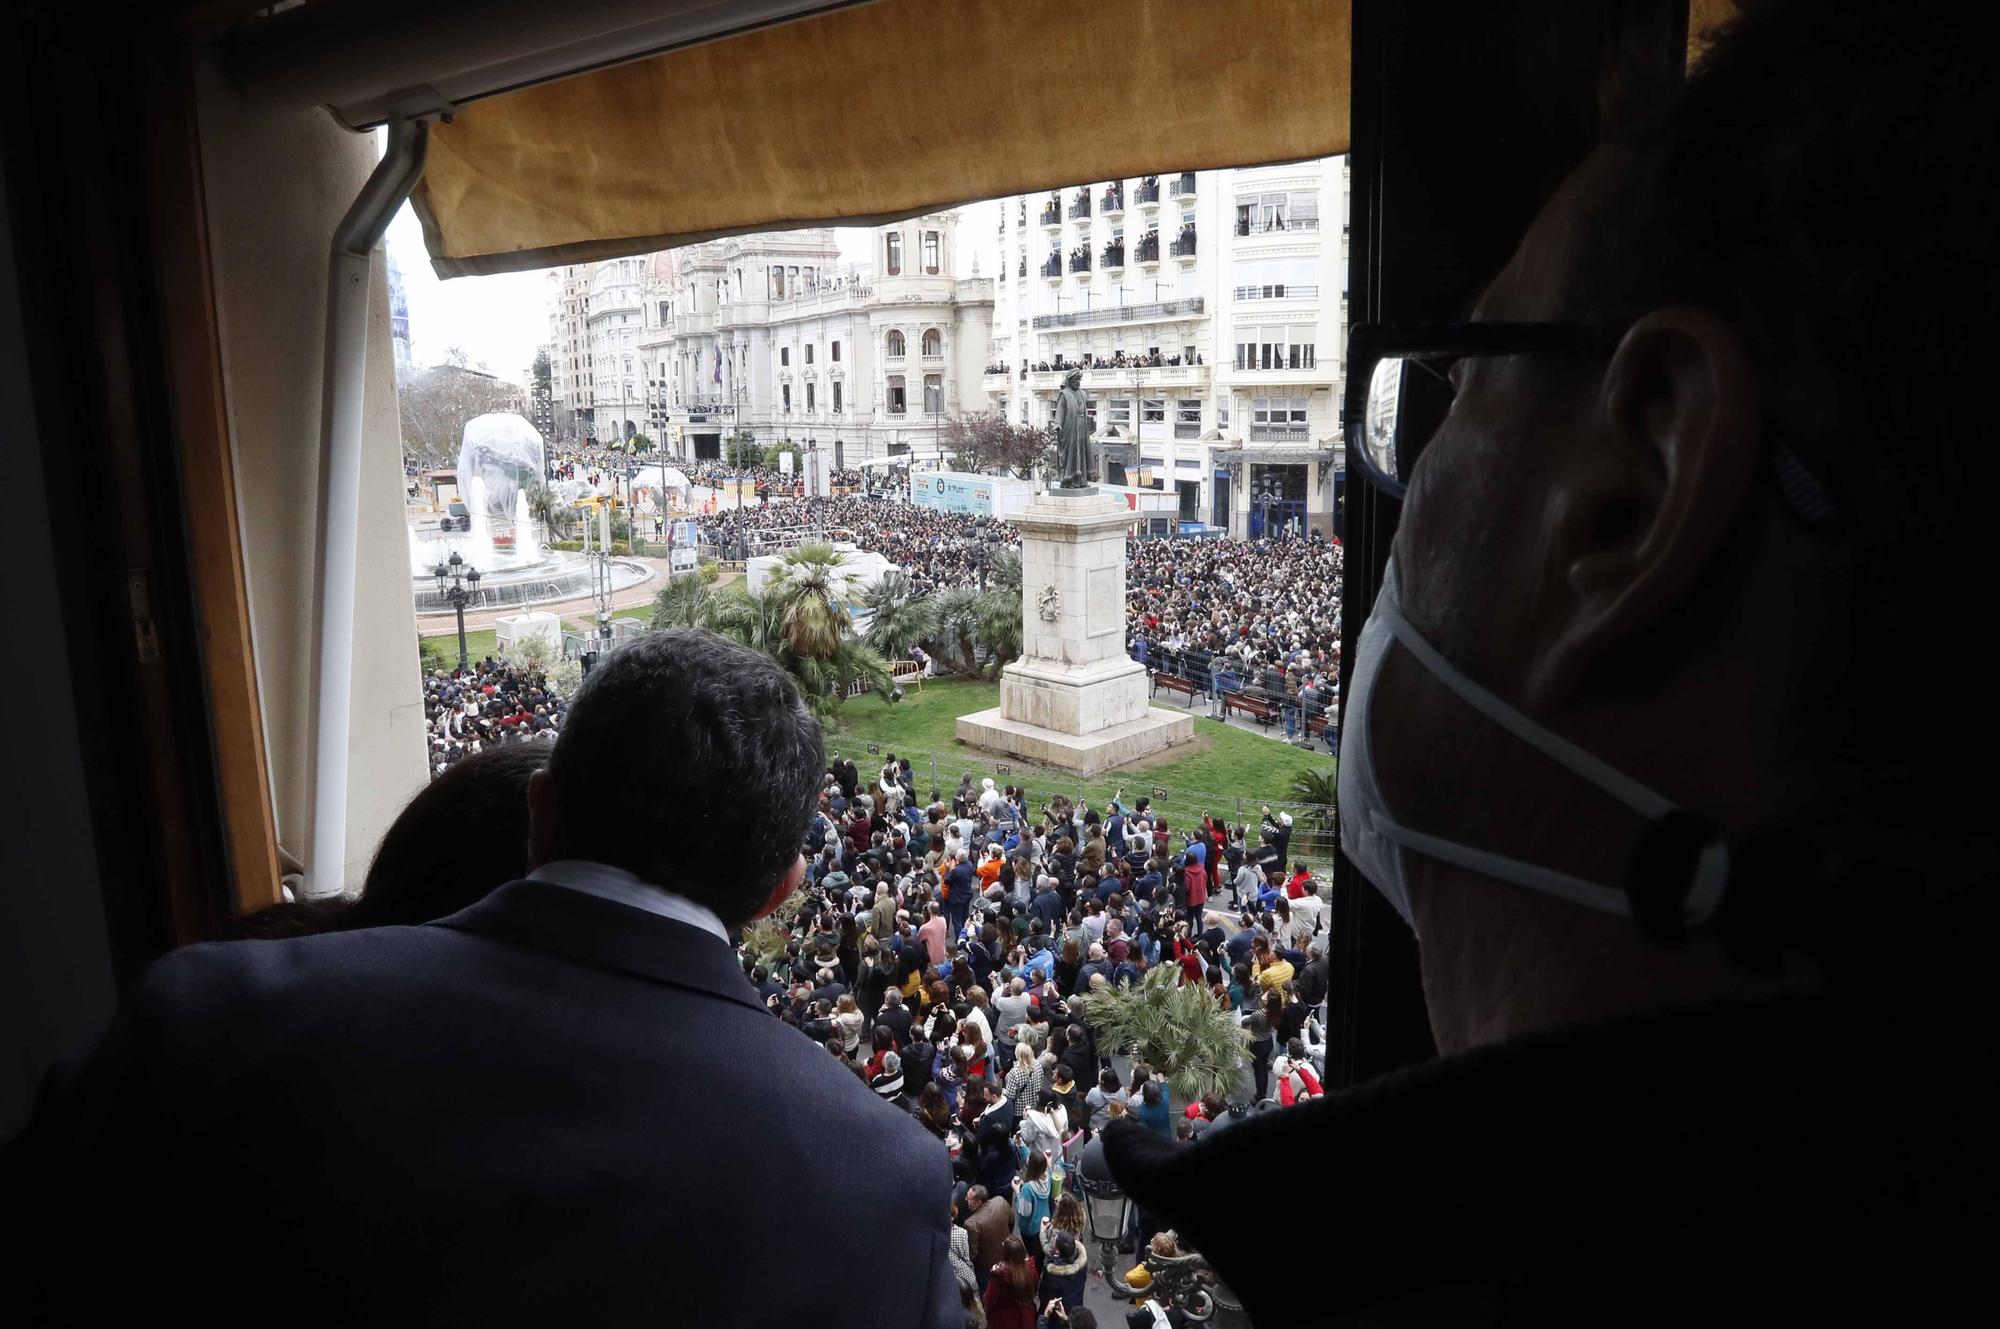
column 440, row 649
column 1222, row 765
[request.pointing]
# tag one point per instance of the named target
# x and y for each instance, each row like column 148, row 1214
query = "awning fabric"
column 876, row 112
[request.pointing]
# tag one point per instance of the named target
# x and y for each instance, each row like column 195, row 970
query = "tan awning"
column 876, row 112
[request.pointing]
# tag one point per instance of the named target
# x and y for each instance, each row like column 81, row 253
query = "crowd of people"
column 940, row 952
column 936, row 550
column 488, row 705
column 1259, row 619
column 1152, row 359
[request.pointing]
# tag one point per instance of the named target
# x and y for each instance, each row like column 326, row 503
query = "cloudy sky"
column 501, row 320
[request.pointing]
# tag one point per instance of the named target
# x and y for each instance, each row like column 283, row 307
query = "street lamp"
column 457, row 582
column 1107, row 1209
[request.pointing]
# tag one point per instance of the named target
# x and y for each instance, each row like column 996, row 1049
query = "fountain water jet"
column 527, row 547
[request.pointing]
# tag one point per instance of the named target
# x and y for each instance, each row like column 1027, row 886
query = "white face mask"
column 1376, row 842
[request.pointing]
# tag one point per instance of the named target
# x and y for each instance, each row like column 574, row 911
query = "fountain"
column 527, row 548
column 501, row 458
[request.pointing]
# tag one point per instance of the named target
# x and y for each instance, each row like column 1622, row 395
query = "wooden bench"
column 1264, row 711
column 1316, row 723
column 1175, row 683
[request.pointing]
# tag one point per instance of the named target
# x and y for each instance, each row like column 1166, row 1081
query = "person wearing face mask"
column 1654, row 731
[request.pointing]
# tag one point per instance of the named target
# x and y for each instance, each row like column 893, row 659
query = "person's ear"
column 543, row 819
column 788, row 884
column 1643, row 518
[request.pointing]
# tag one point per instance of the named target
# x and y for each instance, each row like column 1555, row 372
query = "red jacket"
column 1196, row 877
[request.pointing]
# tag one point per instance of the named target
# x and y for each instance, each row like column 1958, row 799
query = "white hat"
column 988, row 782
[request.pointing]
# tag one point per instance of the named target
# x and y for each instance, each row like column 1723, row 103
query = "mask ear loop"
column 1680, row 869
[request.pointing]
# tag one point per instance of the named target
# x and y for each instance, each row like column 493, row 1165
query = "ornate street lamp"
column 1107, row 1209
column 458, row 583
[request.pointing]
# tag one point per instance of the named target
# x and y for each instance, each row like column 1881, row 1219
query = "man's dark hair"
column 1825, row 182
column 678, row 742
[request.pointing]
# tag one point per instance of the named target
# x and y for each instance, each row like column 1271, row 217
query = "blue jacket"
column 476, row 1104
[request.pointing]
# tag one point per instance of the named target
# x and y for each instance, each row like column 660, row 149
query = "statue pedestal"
column 1074, row 699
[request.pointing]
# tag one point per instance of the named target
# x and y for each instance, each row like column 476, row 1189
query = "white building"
column 569, row 350
column 773, row 336
column 1230, row 287
column 614, row 321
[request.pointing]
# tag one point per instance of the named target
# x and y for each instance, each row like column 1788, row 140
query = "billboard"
column 947, row 492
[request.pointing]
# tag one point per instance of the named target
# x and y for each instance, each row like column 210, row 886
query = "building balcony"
column 1000, row 381
column 1079, row 206
column 1276, row 291
column 1279, row 433
column 1148, row 192
column 1275, row 226
column 1183, row 245
column 1184, row 185
column 1021, row 268
column 1147, row 376
column 1041, row 380
column 1158, row 311
column 933, row 361
column 1113, row 200
column 1052, row 266
column 1052, row 212
column 1113, row 258
column 1080, row 262
column 1149, row 248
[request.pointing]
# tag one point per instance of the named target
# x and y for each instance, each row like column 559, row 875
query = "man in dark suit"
column 565, row 1103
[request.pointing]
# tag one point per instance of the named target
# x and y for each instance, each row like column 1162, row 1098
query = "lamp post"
column 1107, row 1209
column 457, row 582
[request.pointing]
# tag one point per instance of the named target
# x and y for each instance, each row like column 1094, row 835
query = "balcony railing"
column 1271, row 226
column 1149, row 247
column 1113, row 201
column 1084, row 318
column 1149, row 189
column 1183, row 246
column 1184, row 184
column 1277, row 433
column 1052, row 213
column 1277, row 291
column 1080, row 205
column 1052, row 267
column 1080, row 262
column 1021, row 269
column 1113, row 257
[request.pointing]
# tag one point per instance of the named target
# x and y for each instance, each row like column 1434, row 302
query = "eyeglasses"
column 1399, row 364
column 1403, row 366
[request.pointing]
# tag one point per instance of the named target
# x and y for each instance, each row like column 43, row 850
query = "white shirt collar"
column 622, row 887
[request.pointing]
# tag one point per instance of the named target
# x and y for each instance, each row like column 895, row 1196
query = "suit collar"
column 609, row 935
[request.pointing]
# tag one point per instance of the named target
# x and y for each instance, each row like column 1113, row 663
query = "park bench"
column 1187, row 687
column 1265, row 712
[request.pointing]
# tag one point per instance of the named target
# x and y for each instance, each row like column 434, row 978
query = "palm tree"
column 1005, row 573
column 1178, row 1029
column 958, row 623
column 548, row 508
column 811, row 590
column 899, row 617
column 800, row 620
column 1319, row 788
column 686, row 601
column 1000, row 628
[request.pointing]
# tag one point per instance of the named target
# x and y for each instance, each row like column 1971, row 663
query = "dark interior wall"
column 1465, row 117
column 56, row 987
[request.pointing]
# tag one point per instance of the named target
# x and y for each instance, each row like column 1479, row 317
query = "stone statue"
column 1075, row 469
